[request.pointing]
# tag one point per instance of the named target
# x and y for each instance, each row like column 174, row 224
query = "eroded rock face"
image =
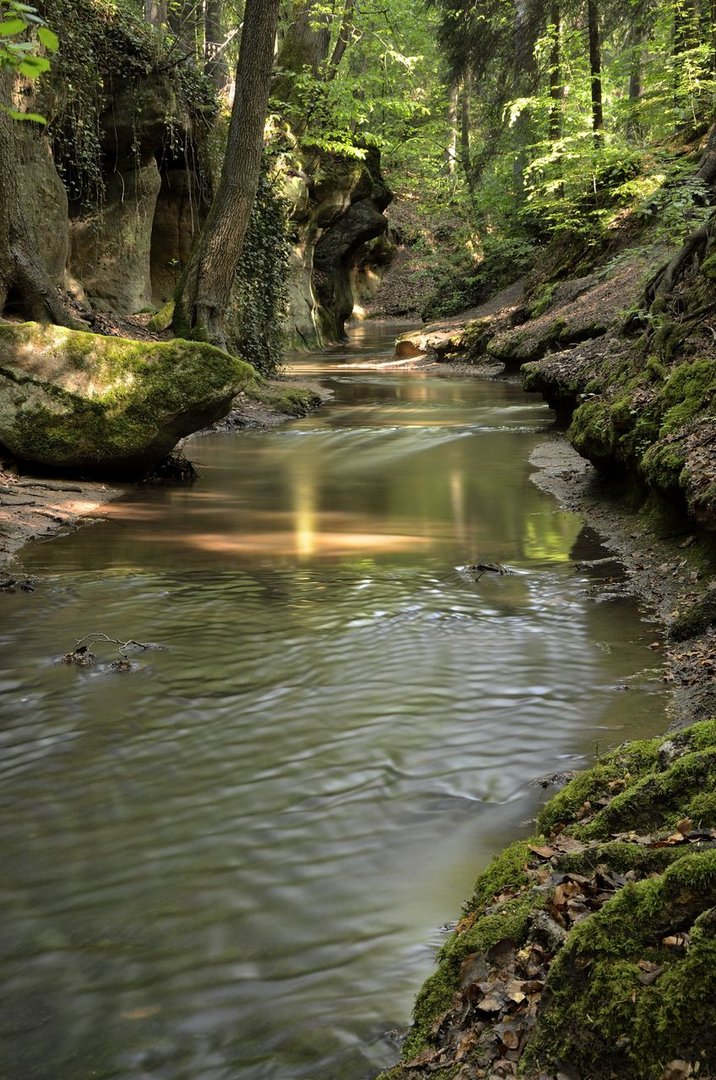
column 107, row 406
column 128, row 249
column 337, row 208
column 111, row 246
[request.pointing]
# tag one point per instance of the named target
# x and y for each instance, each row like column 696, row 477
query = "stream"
column 235, row 861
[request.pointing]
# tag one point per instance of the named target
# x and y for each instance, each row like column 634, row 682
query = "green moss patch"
column 592, row 944
column 107, row 406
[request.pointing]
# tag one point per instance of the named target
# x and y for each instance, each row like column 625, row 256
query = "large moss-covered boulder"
column 107, row 406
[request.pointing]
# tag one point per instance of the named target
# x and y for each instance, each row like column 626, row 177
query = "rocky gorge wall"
column 122, row 246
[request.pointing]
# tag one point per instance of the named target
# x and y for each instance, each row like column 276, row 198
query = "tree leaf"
column 32, row 66
column 12, row 26
column 35, row 117
column 48, row 38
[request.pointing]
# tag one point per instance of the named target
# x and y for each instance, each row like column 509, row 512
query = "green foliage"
column 24, row 38
column 103, row 45
column 260, row 291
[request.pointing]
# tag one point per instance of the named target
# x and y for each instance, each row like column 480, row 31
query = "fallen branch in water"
column 81, row 655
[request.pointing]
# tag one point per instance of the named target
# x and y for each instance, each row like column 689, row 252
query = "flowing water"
column 233, row 862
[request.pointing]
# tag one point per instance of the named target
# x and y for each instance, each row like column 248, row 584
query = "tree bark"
column 344, row 37
column 155, row 12
column 22, row 275
column 451, row 148
column 184, row 24
column 214, row 58
column 205, row 289
column 304, row 47
column 595, row 69
column 465, row 129
column 556, row 84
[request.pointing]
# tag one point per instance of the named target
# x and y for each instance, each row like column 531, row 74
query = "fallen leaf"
column 543, row 852
column 650, row 977
column 676, row 941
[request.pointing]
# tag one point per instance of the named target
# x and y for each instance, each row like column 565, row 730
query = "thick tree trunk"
column 707, row 165
column 304, row 48
column 204, row 291
column 595, row 69
column 22, row 276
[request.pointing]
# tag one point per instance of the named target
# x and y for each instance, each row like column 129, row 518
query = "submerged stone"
column 107, row 406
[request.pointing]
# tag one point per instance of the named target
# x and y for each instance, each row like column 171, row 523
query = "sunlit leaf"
column 32, row 66
column 48, row 38
column 34, row 117
column 11, row 26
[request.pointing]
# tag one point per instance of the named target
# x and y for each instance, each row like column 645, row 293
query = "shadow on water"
column 233, row 861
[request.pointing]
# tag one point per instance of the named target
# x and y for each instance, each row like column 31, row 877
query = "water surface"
column 233, row 862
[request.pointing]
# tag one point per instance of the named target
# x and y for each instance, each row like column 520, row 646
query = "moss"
column 475, row 338
column 708, row 267
column 624, row 766
column 592, row 433
column 621, row 857
column 505, row 872
column 163, row 318
column 288, row 400
column 688, row 392
column 97, row 402
column 699, row 618
column 662, row 465
column 542, row 300
column 598, row 1011
column 655, row 368
column 510, row 921
column 657, row 800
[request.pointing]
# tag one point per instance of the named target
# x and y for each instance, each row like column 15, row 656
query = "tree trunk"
column 633, row 127
column 451, row 148
column 184, row 24
column 465, row 128
column 214, row 58
column 344, row 37
column 556, row 85
column 155, row 12
column 595, row 69
column 22, row 276
column 304, row 47
column 205, row 289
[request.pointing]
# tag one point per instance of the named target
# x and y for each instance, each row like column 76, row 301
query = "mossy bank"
column 590, row 947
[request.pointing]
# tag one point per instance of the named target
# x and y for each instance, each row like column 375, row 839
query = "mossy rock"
column 601, row 1014
column 630, row 985
column 107, row 406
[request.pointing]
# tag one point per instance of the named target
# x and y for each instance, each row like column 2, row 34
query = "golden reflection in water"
column 319, row 542
column 304, row 517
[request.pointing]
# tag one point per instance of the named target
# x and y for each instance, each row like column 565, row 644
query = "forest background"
column 503, row 128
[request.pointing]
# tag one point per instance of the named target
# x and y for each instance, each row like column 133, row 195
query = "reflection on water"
column 233, row 862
